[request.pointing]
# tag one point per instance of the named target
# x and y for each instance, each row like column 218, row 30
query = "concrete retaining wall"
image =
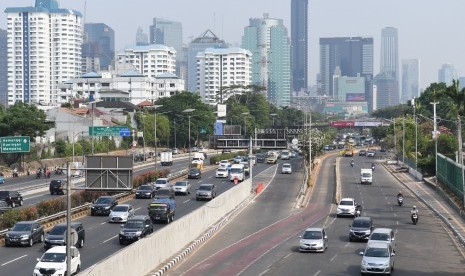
column 142, row 257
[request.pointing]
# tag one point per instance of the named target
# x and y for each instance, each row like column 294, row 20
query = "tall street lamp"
column 245, row 123
column 92, row 116
column 273, row 115
column 155, row 131
column 189, row 111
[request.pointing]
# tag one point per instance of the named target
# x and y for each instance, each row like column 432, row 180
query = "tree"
column 23, row 119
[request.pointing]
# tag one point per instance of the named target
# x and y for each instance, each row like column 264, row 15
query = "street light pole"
column 189, row 110
column 435, row 137
column 245, row 123
column 310, row 140
column 403, row 140
column 416, row 134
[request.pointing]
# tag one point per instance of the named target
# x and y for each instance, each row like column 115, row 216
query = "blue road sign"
column 125, row 132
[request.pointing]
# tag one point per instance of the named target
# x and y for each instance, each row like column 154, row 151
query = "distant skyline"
column 427, row 30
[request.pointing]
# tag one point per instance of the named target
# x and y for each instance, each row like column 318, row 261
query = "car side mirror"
column 393, row 254
column 350, row 226
column 147, row 225
column 326, row 237
column 38, row 259
column 300, row 237
column 121, row 226
column 360, row 253
column 393, row 239
column 33, row 230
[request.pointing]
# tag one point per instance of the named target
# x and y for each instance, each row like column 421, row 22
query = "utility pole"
column 403, row 141
column 435, row 137
column 416, row 134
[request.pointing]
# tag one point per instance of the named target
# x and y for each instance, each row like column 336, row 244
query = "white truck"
column 366, row 176
column 237, row 171
column 198, row 158
column 166, row 158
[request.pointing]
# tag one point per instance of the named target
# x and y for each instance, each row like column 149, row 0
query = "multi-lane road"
column 101, row 236
column 264, row 238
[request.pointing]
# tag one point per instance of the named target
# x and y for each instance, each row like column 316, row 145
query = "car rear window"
column 346, row 202
column 379, row 237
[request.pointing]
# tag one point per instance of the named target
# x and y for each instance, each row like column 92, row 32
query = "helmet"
column 400, row 192
column 414, row 207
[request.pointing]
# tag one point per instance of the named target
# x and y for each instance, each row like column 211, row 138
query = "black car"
column 361, row 229
column 146, row 191
column 135, row 229
column 25, row 233
column 165, row 193
column 57, row 186
column 362, row 153
column 260, row 158
column 194, row 173
column 13, row 198
column 56, row 236
column 103, row 205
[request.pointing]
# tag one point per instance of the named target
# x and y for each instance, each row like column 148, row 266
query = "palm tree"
column 458, row 97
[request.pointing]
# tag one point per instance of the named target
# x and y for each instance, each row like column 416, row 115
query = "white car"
column 77, row 173
column 378, row 257
column 162, row 183
column 182, row 187
column 222, row 172
column 121, row 213
column 286, row 168
column 313, row 239
column 223, row 163
column 346, row 207
column 53, row 262
column 385, row 235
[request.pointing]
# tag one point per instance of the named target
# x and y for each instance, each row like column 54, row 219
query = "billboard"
column 342, row 123
column 232, row 130
column 355, row 97
column 221, row 110
column 219, row 127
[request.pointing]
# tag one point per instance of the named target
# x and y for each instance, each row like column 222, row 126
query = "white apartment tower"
column 149, row 60
column 44, row 50
column 221, row 68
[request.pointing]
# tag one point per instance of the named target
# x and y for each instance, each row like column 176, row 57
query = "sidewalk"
column 436, row 199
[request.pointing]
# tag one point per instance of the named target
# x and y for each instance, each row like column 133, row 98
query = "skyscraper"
column 447, row 73
column 389, row 62
column 387, row 90
column 169, row 33
column 299, row 44
column 98, row 47
column 38, row 61
column 410, row 79
column 206, row 40
column 353, row 56
column 141, row 37
column 3, row 68
column 267, row 39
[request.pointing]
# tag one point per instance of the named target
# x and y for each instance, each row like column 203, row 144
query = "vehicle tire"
column 92, row 213
column 197, row 198
column 41, row 238
column 13, row 204
column 21, row 202
column 189, row 192
column 78, row 269
column 31, row 242
column 121, row 242
column 351, row 240
column 80, row 243
column 167, row 219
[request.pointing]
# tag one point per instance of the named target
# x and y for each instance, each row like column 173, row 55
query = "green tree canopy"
column 23, row 119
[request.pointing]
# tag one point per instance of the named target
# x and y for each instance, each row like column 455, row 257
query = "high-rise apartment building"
column 447, row 73
column 389, row 62
column 3, row 68
column 98, row 49
column 352, row 55
column 149, row 60
column 141, row 37
column 169, row 33
column 267, row 39
column 299, row 44
column 44, row 50
column 387, row 91
column 220, row 68
column 410, row 79
column 206, row 40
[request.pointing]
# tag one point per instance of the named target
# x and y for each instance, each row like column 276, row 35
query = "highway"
column 101, row 236
column 264, row 238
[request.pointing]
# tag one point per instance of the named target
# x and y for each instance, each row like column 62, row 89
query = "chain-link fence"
column 449, row 174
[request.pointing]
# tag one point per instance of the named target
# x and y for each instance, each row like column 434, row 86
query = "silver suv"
column 205, row 191
column 377, row 258
column 385, row 235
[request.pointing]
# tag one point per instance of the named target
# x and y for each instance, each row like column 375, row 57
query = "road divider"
column 259, row 188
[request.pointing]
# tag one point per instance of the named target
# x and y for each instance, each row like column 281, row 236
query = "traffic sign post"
column 15, row 144
column 109, row 131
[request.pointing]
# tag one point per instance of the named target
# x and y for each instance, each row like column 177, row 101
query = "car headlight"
column 339, row 209
column 364, row 262
column 47, row 239
column 386, row 263
column 138, row 233
column 107, row 207
column 24, row 237
column 7, row 236
column 37, row 268
column 121, row 233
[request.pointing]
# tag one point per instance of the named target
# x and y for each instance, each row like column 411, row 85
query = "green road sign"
column 14, row 144
column 202, row 130
column 107, row 131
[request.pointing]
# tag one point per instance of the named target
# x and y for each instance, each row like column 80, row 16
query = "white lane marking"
column 288, row 254
column 318, row 272
column 346, row 245
column 334, row 257
column 392, row 208
column 263, row 273
column 103, row 223
column 109, row 239
column 186, row 201
column 397, row 222
column 14, row 260
column 137, row 209
column 395, row 214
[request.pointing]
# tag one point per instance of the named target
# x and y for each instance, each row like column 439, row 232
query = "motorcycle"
column 372, row 167
column 414, row 218
column 400, row 200
column 358, row 210
column 352, row 163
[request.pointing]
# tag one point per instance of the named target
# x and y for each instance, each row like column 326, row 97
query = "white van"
column 237, row 171
column 366, row 176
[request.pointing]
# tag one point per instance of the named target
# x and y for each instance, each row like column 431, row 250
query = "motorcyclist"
column 352, row 162
column 414, row 210
column 373, row 166
column 400, row 194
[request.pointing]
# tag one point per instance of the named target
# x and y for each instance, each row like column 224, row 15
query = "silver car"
column 378, row 258
column 182, row 187
column 385, row 235
column 286, row 168
column 121, row 213
column 313, row 239
column 205, row 191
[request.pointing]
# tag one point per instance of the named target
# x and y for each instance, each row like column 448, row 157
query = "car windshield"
column 286, row 166
column 377, row 252
column 366, row 175
column 379, row 237
column 205, row 188
column 222, row 169
column 22, row 227
column 163, row 192
column 103, row 200
column 58, row 230
column 180, row 184
column 312, row 235
column 160, row 181
column 361, row 224
column 53, row 257
column 121, row 208
column 193, row 171
column 236, row 170
column 347, row 202
column 158, row 208
column 134, row 224
column 145, row 188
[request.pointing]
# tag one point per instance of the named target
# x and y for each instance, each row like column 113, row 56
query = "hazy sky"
column 430, row 30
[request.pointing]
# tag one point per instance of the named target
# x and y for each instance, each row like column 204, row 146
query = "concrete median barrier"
column 142, row 257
